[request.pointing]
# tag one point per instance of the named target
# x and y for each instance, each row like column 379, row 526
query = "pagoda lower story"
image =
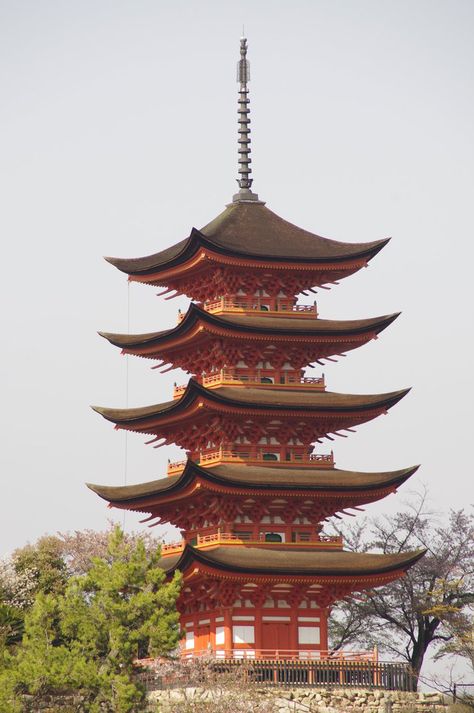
column 241, row 600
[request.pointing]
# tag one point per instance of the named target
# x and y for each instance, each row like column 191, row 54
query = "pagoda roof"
column 285, row 326
column 259, row 560
column 263, row 400
column 251, row 230
column 257, row 478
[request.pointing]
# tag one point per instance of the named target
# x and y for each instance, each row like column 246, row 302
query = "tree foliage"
column 85, row 639
column 424, row 609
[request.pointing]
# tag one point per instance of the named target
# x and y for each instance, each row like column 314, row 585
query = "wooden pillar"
column 228, row 631
column 294, row 630
column 323, row 633
column 258, row 631
column 212, row 631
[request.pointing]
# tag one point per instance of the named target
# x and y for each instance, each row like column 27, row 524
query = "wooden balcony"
column 327, row 542
column 282, row 308
column 313, row 460
column 228, row 378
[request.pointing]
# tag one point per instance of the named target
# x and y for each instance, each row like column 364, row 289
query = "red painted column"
column 212, row 634
column 294, row 630
column 324, row 613
column 258, row 631
column 228, row 631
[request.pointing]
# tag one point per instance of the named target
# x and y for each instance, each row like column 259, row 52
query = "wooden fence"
column 316, row 674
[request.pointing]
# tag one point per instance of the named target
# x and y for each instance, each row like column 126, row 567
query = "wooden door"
column 203, row 638
column 276, row 636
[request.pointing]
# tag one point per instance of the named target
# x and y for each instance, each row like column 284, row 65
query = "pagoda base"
column 256, row 632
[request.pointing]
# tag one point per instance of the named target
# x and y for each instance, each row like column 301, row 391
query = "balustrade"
column 259, row 306
column 228, row 378
column 286, row 654
column 316, row 460
column 285, row 306
column 226, row 538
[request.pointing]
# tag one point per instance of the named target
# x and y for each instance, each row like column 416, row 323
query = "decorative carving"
column 228, row 593
column 296, row 596
column 259, row 595
column 331, row 593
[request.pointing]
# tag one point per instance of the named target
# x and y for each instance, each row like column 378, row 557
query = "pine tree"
column 85, row 641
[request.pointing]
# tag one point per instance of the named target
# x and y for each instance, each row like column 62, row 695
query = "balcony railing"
column 314, row 460
column 228, row 378
column 285, row 654
column 242, row 306
column 228, row 538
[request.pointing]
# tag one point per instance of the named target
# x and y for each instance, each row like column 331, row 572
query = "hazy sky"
column 118, row 134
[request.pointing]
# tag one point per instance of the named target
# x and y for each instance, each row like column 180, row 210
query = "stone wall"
column 67, row 703
column 313, row 700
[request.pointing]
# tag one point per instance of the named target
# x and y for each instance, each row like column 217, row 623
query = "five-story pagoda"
column 251, row 499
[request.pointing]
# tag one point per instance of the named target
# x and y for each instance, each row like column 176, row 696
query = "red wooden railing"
column 226, row 377
column 283, row 654
column 317, row 460
column 217, row 538
column 285, row 306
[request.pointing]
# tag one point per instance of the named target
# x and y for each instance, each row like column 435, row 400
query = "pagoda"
column 252, row 497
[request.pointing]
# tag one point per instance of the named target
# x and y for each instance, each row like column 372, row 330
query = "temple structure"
column 252, row 497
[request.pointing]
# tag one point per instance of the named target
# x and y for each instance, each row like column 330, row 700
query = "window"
column 270, row 456
column 273, row 537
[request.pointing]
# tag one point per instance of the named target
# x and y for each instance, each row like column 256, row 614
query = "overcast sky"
column 118, row 134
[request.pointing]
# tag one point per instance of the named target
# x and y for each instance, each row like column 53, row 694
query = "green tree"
column 86, row 640
column 11, row 625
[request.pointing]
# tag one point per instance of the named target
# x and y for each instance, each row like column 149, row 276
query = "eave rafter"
column 211, row 275
column 244, row 246
column 220, row 351
column 210, row 505
column 204, row 341
column 202, row 582
column 201, row 417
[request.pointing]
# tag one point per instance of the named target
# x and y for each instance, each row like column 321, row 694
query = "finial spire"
column 245, row 170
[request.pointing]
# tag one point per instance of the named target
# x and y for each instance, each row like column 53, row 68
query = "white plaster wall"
column 243, row 634
column 308, row 635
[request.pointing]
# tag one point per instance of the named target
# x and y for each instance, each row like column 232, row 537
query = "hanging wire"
column 125, row 454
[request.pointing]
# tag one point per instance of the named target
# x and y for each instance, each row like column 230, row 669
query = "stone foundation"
column 317, row 700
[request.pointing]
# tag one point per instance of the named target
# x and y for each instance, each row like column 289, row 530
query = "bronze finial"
column 244, row 180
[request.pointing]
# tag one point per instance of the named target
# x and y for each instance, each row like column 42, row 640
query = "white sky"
column 118, row 134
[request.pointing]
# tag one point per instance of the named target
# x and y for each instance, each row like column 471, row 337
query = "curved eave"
column 234, row 233
column 286, row 326
column 275, row 479
column 162, row 260
column 255, row 561
column 255, row 399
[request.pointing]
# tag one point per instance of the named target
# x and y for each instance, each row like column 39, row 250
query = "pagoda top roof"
column 246, row 229
column 259, row 560
column 255, row 323
column 257, row 478
column 274, row 399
